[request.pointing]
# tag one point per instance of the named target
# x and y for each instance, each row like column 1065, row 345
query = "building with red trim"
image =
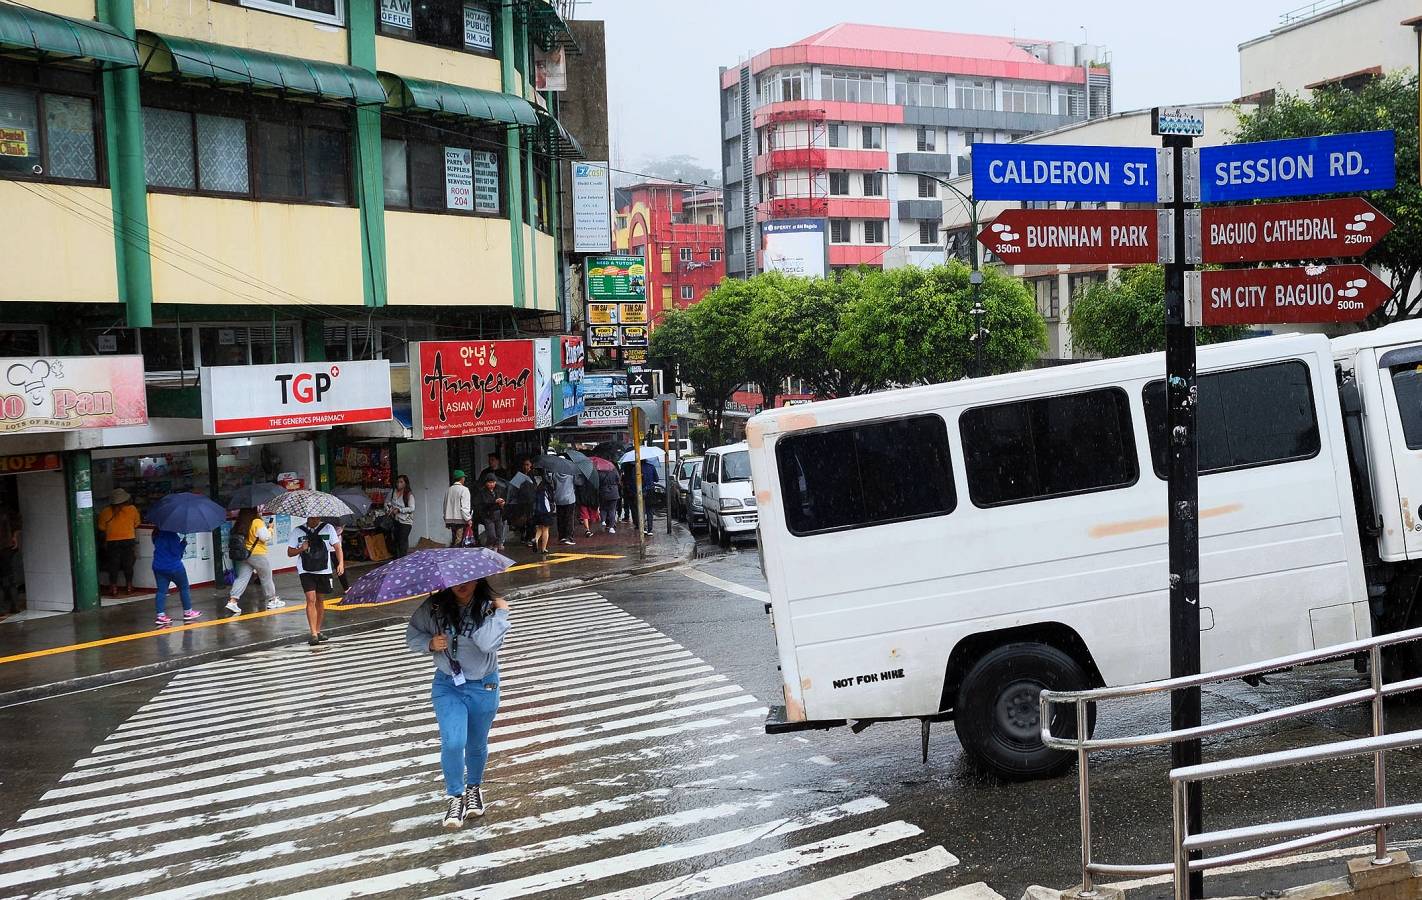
column 681, row 232
column 837, row 126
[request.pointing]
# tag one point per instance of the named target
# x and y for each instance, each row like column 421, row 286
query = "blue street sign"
column 1063, row 172
column 1335, row 164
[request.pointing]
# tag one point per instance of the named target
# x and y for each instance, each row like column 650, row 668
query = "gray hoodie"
column 478, row 652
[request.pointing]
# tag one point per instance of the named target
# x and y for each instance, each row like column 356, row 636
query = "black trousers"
column 402, row 539
column 567, row 521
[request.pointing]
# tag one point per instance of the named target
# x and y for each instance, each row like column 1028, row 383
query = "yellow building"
column 246, row 182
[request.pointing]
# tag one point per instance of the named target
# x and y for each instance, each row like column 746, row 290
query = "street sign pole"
column 1183, row 493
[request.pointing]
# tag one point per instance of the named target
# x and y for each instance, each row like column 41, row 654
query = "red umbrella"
column 602, row 464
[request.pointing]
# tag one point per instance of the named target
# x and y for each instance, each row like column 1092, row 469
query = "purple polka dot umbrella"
column 424, row 572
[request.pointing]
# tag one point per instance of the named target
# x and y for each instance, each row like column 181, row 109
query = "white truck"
column 947, row 551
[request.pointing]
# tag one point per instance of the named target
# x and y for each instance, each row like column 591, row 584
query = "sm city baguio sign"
column 256, row 399
column 472, row 387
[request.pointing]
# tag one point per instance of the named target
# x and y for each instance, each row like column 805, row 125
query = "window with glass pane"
column 168, row 349
column 20, row 143
column 325, row 157
column 873, row 137
column 928, row 232
column 332, row 11
column 272, row 345
column 1246, row 417
column 20, row 342
column 168, row 148
column 715, row 253
column 1407, row 388
column 279, row 160
column 975, row 94
column 222, row 154
column 427, row 189
column 1048, row 447
column 927, row 187
column 865, row 475
column 873, row 184
column 223, row 345
column 1026, row 97
column 927, row 140
column 873, row 231
column 395, row 165
column 686, row 293
column 69, row 133
column 110, row 341
column 838, row 134
column 839, row 231
column 838, row 184
column 336, row 339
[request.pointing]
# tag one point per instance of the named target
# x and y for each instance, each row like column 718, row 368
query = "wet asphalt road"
column 628, row 761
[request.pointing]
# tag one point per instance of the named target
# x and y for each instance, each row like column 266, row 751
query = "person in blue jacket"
column 168, row 569
column 462, row 628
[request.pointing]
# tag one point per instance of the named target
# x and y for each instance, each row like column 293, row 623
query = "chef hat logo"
column 31, row 378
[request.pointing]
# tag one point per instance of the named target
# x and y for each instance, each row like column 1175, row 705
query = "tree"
column 915, row 326
column 1384, row 103
column 800, row 328
column 1126, row 315
column 678, row 167
column 705, row 345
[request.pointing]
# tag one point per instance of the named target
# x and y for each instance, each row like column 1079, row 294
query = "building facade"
column 1328, row 43
column 854, row 124
column 240, row 183
column 680, row 231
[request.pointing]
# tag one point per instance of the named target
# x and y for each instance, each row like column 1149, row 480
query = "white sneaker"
column 276, row 603
column 233, row 608
column 611, row 530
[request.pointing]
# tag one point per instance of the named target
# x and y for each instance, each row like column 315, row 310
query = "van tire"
column 997, row 715
column 722, row 538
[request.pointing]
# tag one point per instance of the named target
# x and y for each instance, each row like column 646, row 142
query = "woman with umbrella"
column 461, row 628
column 317, row 548
column 172, row 517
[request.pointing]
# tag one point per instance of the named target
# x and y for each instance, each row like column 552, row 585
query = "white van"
column 947, row 551
column 726, row 492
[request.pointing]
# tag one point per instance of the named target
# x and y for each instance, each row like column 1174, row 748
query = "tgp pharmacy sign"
column 461, row 388
column 257, row 399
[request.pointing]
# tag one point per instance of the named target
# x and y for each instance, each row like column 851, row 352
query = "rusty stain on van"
column 755, row 435
column 792, row 421
column 1407, row 514
column 1131, row 526
column 794, row 712
column 805, row 684
column 762, row 498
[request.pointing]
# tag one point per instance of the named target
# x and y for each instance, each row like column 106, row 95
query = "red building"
column 680, row 231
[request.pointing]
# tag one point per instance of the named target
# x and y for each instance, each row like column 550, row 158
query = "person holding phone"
column 462, row 628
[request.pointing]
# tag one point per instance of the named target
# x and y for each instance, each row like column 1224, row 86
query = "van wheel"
column 722, row 538
column 998, row 717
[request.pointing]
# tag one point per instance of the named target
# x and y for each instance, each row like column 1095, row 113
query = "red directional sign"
column 1318, row 229
column 1285, row 295
column 1044, row 236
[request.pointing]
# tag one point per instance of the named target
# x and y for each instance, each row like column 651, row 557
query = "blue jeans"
column 179, row 577
column 465, row 714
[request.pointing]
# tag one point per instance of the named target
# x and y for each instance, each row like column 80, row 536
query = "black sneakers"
column 454, row 815
column 473, row 801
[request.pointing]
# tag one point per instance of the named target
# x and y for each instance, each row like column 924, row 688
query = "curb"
column 87, row 682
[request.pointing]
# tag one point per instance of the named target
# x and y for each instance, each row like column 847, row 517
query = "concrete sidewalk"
column 41, row 657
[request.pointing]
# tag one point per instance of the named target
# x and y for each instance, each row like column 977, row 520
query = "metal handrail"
column 1307, row 832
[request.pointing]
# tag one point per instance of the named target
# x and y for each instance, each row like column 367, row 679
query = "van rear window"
column 868, row 474
column 1049, row 447
column 1247, row 417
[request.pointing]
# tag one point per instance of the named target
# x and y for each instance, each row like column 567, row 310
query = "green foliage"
column 915, row 326
column 705, row 345
column 1385, row 103
column 703, row 438
column 1126, row 315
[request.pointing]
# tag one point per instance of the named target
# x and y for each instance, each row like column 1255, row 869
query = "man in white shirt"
column 458, row 512
column 317, row 548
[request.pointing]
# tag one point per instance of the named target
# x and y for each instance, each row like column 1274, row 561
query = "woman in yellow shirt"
column 119, row 523
column 256, row 536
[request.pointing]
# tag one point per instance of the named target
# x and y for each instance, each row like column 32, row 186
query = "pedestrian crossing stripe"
column 619, row 762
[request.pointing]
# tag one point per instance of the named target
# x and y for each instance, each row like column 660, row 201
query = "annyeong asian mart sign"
column 463, row 388
column 294, row 397
column 64, row 393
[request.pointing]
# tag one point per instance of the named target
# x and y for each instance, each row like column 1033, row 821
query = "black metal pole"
column 977, row 280
column 1183, row 492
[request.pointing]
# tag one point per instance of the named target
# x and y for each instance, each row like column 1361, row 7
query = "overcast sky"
column 663, row 54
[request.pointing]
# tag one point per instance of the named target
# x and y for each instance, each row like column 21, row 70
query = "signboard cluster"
column 1259, row 233
column 617, row 302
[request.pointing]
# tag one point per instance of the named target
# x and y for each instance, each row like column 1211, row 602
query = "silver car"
column 681, row 485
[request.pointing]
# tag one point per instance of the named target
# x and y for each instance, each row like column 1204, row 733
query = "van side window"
column 710, row 465
column 868, row 474
column 1407, row 387
column 1049, row 447
column 1247, row 417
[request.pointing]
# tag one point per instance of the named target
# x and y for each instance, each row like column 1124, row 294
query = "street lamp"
column 979, row 337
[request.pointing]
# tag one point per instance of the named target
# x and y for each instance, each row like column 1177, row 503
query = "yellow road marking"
column 295, row 606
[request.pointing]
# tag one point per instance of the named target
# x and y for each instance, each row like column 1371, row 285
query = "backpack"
column 237, row 548
column 317, row 556
column 545, row 498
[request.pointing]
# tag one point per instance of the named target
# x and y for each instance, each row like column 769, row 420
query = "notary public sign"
column 1064, row 172
column 1308, row 229
column 1332, row 164
column 1282, row 296
column 1036, row 237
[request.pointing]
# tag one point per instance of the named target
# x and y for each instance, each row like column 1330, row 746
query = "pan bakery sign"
column 62, row 393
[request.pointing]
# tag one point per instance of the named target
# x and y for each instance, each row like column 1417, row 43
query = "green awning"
column 457, row 100
column 556, row 140
column 50, row 35
column 262, row 71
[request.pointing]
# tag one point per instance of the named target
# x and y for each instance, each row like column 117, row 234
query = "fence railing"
column 1290, row 836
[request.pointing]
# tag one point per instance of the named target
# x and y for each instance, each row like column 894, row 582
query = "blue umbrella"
column 186, row 514
column 424, row 572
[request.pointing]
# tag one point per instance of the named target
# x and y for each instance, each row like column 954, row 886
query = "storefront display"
column 365, row 466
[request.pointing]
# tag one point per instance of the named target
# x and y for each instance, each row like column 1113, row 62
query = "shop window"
column 458, row 26
column 241, row 345
column 330, row 11
column 245, row 146
column 167, row 349
column 272, row 345
column 44, row 135
column 439, row 169
column 111, row 341
column 21, row 341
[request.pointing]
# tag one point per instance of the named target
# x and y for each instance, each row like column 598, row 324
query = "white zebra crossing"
column 619, row 763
